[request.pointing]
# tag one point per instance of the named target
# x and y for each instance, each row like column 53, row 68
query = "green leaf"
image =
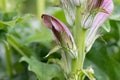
column 56, row 48
column 106, row 26
column 115, row 17
column 11, row 23
column 43, row 71
column 16, row 44
column 43, row 35
column 104, row 65
column 3, row 26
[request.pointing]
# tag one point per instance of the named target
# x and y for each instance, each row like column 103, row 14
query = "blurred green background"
column 22, row 34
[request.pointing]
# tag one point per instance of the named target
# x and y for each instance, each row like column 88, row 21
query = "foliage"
column 23, row 37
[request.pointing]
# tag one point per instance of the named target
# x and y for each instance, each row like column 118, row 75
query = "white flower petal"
column 69, row 9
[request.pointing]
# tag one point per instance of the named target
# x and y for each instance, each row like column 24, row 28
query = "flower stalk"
column 77, row 64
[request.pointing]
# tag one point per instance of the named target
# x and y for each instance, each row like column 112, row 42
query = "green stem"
column 81, row 49
column 8, row 59
column 79, row 35
column 76, row 28
column 40, row 7
column 79, row 62
column 16, row 45
column 4, row 5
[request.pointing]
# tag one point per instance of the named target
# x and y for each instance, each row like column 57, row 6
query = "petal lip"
column 108, row 6
column 46, row 21
column 50, row 22
column 94, row 4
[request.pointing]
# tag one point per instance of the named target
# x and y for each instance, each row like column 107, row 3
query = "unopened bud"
column 77, row 2
column 61, row 33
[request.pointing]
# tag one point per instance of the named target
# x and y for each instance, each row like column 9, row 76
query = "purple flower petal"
column 51, row 22
column 102, row 16
column 93, row 4
column 99, row 19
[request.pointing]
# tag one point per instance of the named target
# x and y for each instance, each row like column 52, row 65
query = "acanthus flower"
column 93, row 14
column 105, row 11
column 61, row 33
column 86, row 16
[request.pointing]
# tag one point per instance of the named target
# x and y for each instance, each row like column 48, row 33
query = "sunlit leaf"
column 106, row 26
column 56, row 48
column 43, row 35
column 115, row 17
column 11, row 23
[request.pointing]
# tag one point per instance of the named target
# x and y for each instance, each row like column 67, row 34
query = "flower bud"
column 69, row 10
column 61, row 33
column 77, row 2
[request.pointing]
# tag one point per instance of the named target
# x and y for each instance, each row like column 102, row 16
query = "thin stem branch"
column 16, row 45
column 8, row 59
column 40, row 7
